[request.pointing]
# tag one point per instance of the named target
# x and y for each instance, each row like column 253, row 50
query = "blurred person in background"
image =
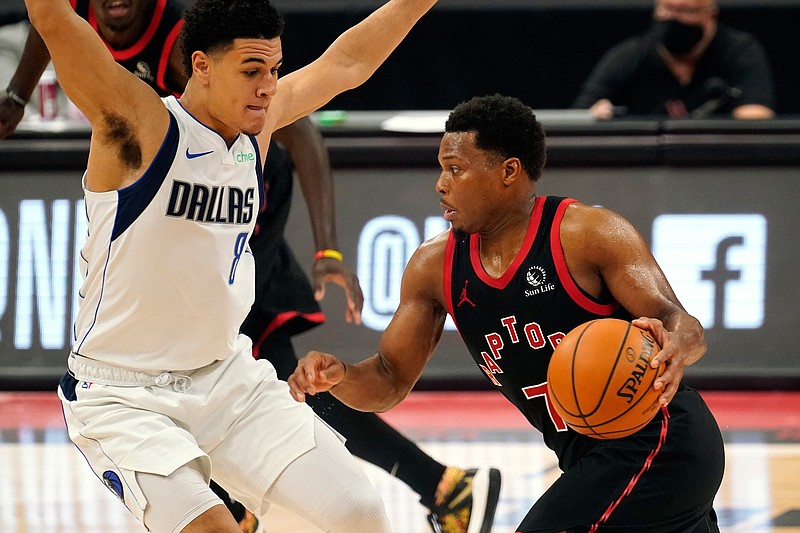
column 687, row 65
column 142, row 35
column 13, row 29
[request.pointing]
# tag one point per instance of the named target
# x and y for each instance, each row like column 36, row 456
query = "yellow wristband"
column 331, row 254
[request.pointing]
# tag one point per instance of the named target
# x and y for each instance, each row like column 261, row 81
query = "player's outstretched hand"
column 316, row 372
column 330, row 270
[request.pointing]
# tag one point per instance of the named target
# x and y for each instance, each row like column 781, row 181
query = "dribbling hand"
column 670, row 356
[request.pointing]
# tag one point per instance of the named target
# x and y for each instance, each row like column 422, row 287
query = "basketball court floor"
column 45, row 484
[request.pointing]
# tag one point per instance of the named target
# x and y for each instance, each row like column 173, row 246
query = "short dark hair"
column 212, row 25
column 505, row 126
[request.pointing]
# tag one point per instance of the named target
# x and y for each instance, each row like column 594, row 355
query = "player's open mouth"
column 448, row 211
column 117, row 8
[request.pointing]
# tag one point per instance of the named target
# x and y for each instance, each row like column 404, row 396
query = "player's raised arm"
column 127, row 116
column 348, row 62
column 312, row 164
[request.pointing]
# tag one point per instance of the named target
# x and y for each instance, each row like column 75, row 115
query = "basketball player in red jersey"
column 535, row 267
column 142, row 36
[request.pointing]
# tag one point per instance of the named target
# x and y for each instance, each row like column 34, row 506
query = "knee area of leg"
column 363, row 515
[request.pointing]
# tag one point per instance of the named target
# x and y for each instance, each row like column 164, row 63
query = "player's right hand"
column 10, row 115
column 316, row 372
column 330, row 270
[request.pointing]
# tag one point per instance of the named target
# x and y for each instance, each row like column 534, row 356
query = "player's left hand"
column 672, row 355
column 316, row 372
column 330, row 270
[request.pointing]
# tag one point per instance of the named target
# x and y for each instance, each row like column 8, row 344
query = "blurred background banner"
column 716, row 201
column 724, row 236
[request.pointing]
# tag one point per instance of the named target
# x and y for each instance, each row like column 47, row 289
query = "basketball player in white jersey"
column 162, row 388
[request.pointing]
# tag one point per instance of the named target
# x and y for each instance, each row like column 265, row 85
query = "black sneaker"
column 470, row 503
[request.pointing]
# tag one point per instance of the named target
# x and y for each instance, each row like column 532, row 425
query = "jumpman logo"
column 464, row 297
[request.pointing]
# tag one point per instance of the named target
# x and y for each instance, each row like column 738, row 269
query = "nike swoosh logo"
column 197, row 154
column 463, row 495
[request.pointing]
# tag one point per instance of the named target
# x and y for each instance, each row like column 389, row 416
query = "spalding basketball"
column 600, row 380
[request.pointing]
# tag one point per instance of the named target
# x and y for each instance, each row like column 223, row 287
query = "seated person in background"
column 686, row 66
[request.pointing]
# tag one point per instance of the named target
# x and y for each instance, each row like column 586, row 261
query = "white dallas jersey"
column 169, row 276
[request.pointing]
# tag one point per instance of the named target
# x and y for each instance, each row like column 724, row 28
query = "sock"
column 236, row 508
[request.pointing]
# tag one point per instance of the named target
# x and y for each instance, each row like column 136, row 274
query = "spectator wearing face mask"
column 687, row 65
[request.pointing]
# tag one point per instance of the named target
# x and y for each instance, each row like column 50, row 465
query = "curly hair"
column 212, row 25
column 505, row 126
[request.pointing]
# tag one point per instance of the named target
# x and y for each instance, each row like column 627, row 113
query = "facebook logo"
column 716, row 264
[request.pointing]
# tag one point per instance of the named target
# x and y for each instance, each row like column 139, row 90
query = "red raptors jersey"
column 512, row 324
column 148, row 57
